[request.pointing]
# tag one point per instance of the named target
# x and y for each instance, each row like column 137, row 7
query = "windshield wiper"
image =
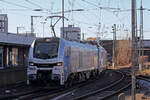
column 52, row 55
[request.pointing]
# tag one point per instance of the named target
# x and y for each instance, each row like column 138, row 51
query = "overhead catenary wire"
column 11, row 3
column 22, row 6
column 39, row 6
column 87, row 11
column 20, row 14
column 105, row 8
column 15, row 9
column 108, row 3
column 109, row 9
column 86, row 16
column 72, row 7
column 100, row 14
column 100, row 20
column 69, row 7
column 29, row 1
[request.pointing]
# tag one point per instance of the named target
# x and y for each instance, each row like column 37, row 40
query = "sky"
column 93, row 21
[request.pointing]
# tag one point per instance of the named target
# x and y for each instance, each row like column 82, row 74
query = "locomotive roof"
column 78, row 44
column 43, row 39
column 70, row 43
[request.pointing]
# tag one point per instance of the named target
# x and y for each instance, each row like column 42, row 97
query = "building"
column 146, row 47
column 71, row 33
column 14, row 50
column 3, row 23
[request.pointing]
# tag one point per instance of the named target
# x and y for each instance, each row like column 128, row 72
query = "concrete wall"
column 12, row 75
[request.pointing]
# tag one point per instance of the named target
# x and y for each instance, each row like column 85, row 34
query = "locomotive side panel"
column 74, row 59
column 95, row 59
column 104, row 58
column 89, row 60
column 81, row 64
column 83, row 59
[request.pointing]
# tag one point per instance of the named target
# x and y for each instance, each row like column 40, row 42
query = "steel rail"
column 46, row 96
column 41, row 93
column 12, row 96
column 116, row 92
column 105, row 89
column 143, row 78
column 64, row 91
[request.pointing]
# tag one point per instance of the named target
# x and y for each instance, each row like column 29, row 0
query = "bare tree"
column 123, row 51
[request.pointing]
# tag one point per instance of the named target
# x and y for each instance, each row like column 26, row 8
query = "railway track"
column 141, row 78
column 23, row 94
column 56, row 93
column 146, row 78
column 75, row 94
column 47, row 93
column 42, row 93
column 108, row 91
column 12, row 88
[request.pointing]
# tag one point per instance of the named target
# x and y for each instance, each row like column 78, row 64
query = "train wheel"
column 97, row 73
column 83, row 77
column 76, row 79
column 80, row 77
column 87, row 74
column 68, row 83
column 93, row 74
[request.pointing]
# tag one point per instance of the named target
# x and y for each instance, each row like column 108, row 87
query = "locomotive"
column 64, row 61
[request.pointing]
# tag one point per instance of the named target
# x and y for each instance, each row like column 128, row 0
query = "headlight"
column 59, row 64
column 31, row 64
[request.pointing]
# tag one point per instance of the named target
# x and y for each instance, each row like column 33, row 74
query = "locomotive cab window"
column 46, row 50
column 66, row 51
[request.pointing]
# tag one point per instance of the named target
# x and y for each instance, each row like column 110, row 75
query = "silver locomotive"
column 57, row 59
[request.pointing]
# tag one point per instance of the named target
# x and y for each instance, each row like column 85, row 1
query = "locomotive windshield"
column 46, row 50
